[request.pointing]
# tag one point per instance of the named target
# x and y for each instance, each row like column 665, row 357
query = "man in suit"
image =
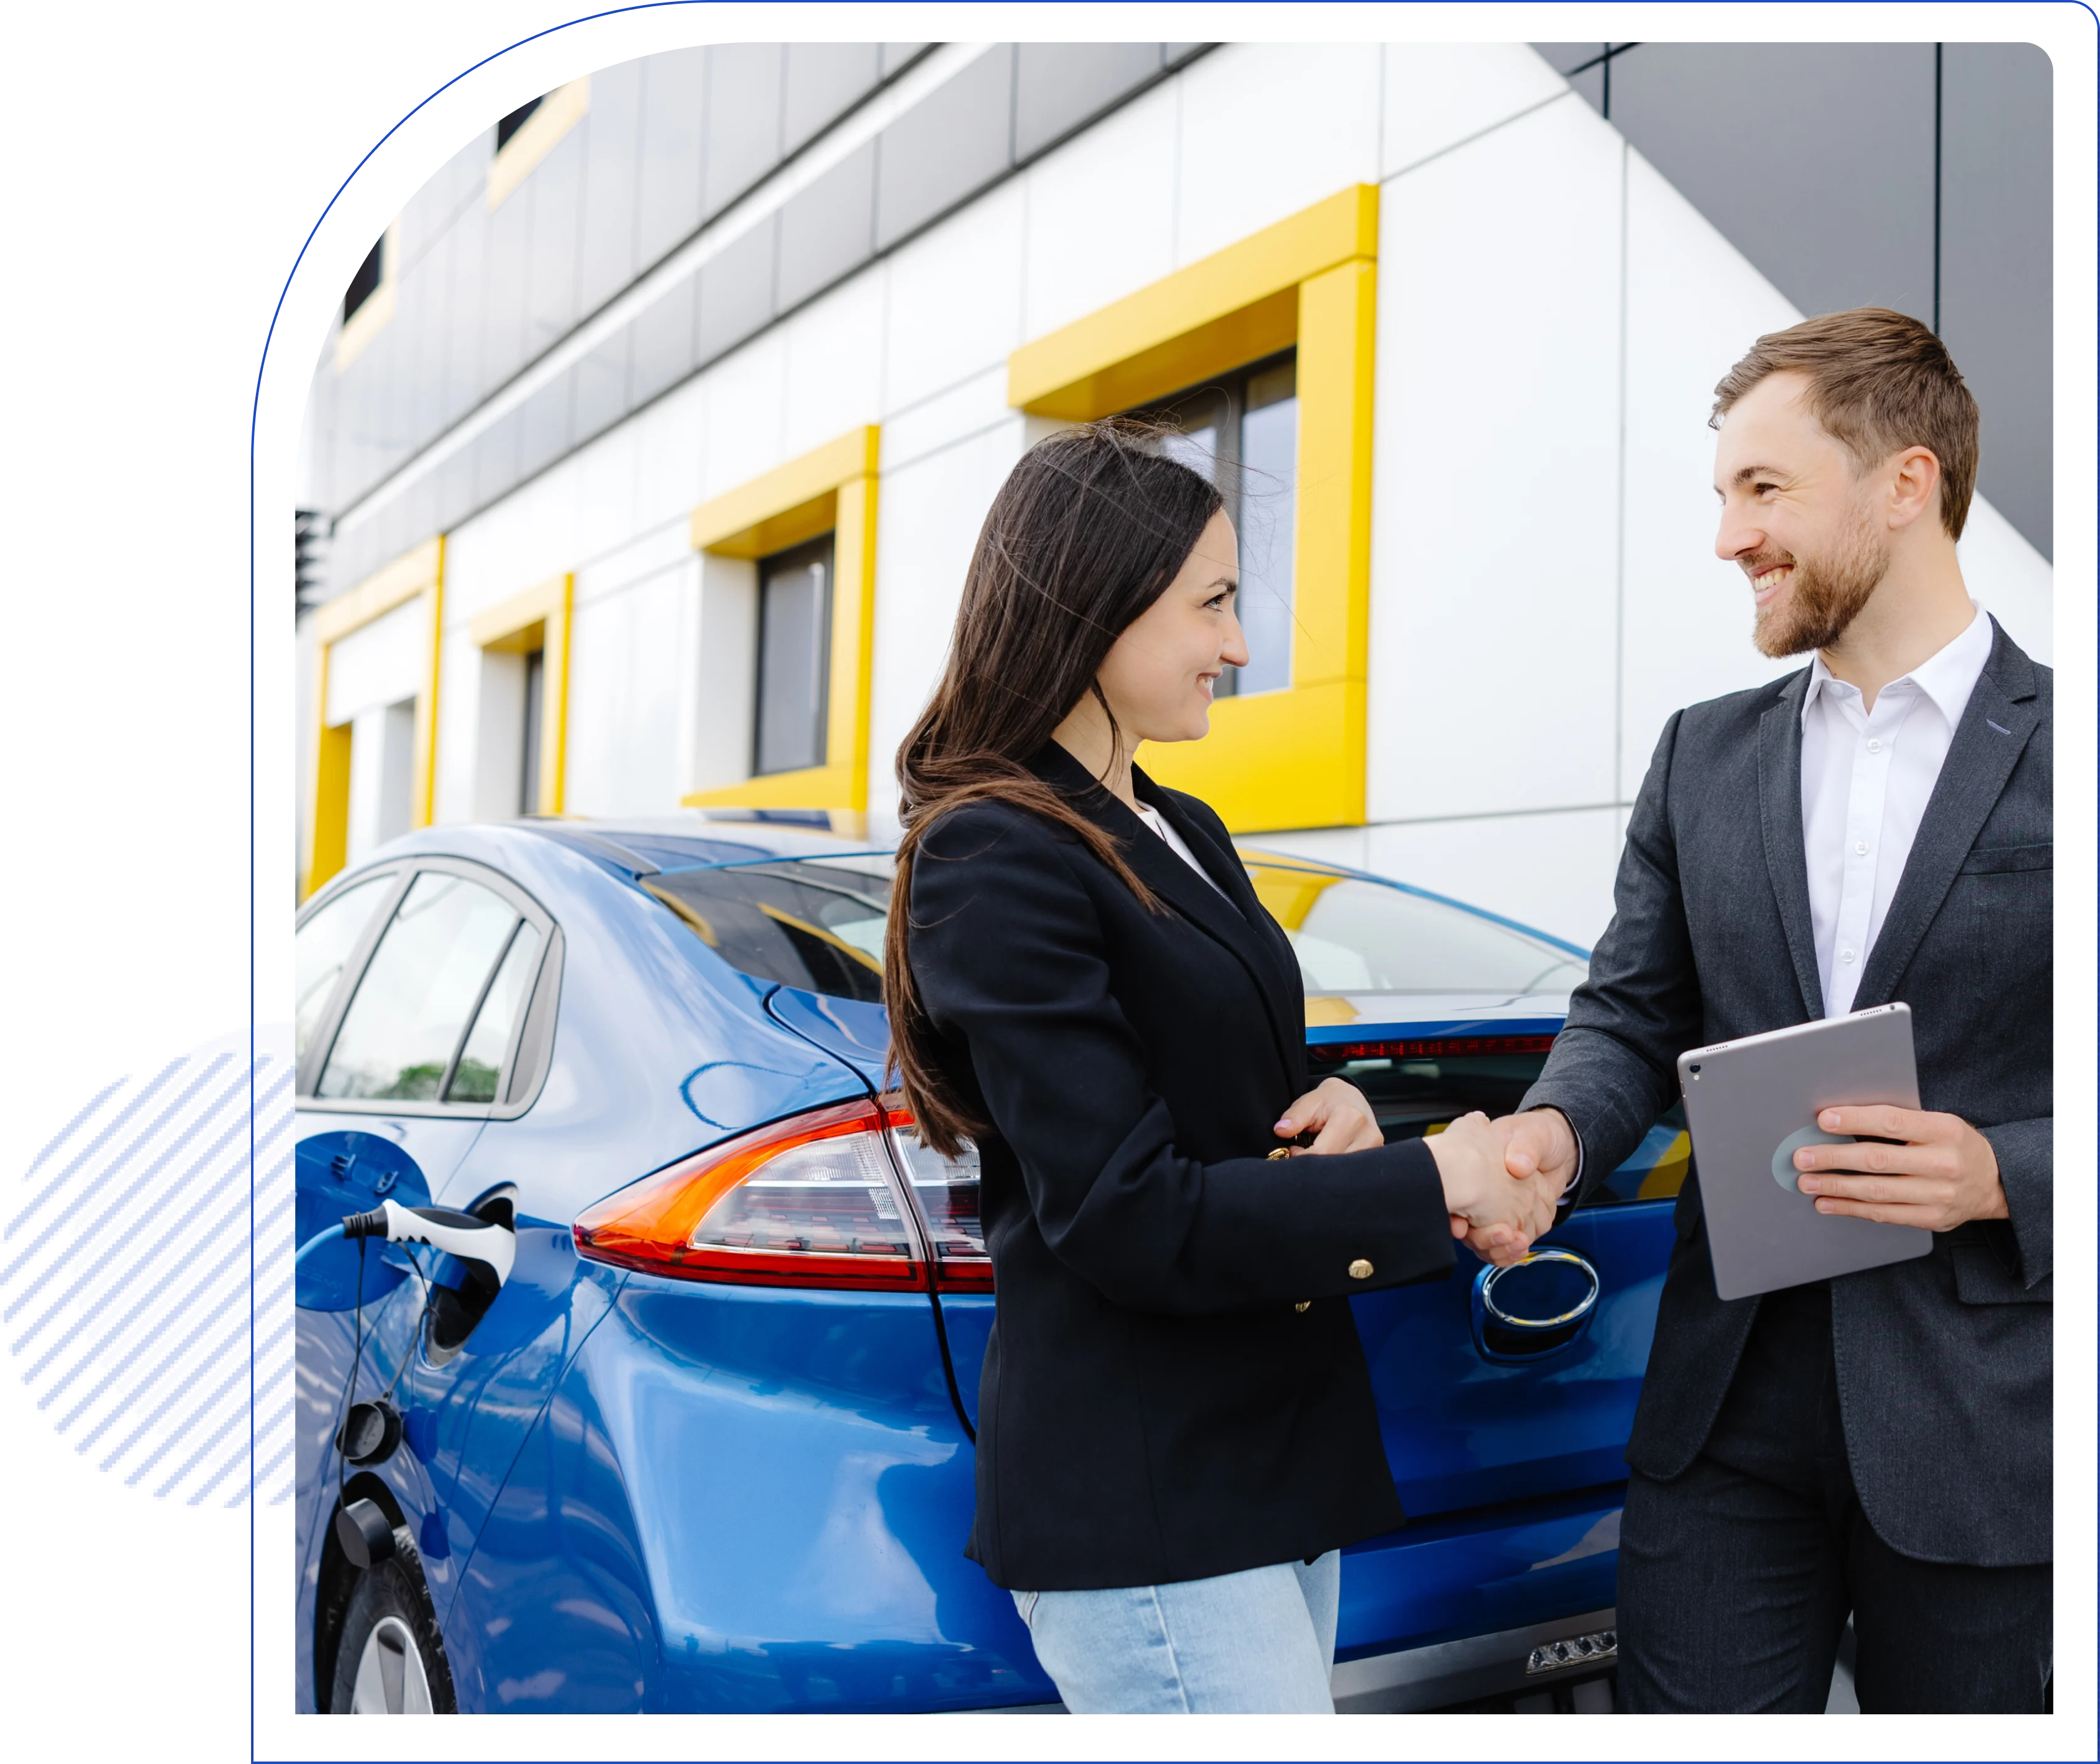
column 1874, row 827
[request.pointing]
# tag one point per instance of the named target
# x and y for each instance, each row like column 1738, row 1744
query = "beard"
column 1826, row 595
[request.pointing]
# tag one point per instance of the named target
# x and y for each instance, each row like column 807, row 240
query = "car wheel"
column 389, row 1660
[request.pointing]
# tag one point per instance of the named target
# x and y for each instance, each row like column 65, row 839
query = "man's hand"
column 1539, row 1149
column 1337, row 1114
column 1496, row 1214
column 1943, row 1173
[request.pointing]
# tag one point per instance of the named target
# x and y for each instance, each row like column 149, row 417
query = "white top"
column 1865, row 779
column 1153, row 818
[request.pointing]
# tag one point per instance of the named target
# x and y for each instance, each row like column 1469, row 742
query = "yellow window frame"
column 539, row 618
column 829, row 489
column 1293, row 757
column 418, row 573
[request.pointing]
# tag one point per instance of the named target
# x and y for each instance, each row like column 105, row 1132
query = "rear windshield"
column 816, row 923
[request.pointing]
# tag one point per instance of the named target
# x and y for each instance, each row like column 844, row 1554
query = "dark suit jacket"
column 1154, row 1407
column 1943, row 1362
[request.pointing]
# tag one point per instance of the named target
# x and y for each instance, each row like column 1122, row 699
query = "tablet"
column 1751, row 1105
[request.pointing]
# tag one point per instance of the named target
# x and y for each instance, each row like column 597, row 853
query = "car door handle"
column 1535, row 1307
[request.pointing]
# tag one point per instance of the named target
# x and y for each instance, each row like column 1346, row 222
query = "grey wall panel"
column 1995, row 308
column 602, row 391
column 555, row 188
column 543, row 431
column 454, row 480
column 494, row 453
column 824, row 81
column 1058, row 86
column 503, row 291
column 1814, row 159
column 953, row 142
column 606, row 261
column 828, row 228
column 429, row 300
column 461, row 365
column 736, row 290
column 673, row 135
column 663, row 343
column 744, row 120
column 1564, row 58
column 896, row 57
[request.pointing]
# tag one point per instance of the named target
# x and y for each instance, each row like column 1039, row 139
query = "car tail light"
column 1427, row 1048
column 945, row 1190
column 812, row 1201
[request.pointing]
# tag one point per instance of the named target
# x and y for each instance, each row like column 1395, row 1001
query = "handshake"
column 1502, row 1178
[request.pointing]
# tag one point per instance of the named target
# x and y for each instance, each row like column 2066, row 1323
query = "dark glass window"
column 511, row 124
column 1241, row 431
column 794, row 657
column 528, row 770
column 365, row 283
column 816, row 924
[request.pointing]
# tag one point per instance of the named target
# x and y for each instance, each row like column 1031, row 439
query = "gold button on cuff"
column 1280, row 1151
column 1302, row 1305
column 1360, row 1269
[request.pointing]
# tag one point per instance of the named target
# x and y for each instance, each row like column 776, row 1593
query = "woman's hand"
column 1338, row 1113
column 1499, row 1214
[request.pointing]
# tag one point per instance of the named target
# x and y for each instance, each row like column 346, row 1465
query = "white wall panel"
column 745, row 408
column 1694, row 304
column 457, row 792
column 606, row 472
column 1438, row 94
column 1551, row 871
column 498, row 724
column 670, row 449
column 1494, row 542
column 623, row 690
column 718, row 648
column 1101, row 214
column 1269, row 129
column 379, row 663
column 931, row 515
column 954, row 299
column 2009, row 578
column 968, row 409
column 834, row 351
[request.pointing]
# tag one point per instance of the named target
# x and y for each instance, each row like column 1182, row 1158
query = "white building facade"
column 1461, row 330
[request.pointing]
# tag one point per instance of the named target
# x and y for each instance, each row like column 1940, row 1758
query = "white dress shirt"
column 1153, row 818
column 1865, row 778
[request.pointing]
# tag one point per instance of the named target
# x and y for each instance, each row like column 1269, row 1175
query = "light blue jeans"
column 1258, row 1642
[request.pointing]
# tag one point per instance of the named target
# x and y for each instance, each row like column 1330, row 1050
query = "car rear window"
column 813, row 923
column 816, row 923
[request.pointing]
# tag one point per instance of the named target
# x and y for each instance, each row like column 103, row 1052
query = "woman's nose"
column 1234, row 651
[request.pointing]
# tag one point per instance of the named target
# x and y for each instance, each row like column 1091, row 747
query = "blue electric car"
column 708, row 1446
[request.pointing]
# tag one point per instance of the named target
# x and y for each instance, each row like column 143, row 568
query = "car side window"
column 481, row 1060
column 322, row 946
column 403, row 1033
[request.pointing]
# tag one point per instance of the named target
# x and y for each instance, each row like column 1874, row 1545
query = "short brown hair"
column 1878, row 382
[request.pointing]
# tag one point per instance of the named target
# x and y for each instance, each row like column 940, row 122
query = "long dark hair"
column 1084, row 535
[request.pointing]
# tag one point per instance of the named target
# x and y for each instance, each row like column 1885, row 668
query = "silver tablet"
column 1751, row 1105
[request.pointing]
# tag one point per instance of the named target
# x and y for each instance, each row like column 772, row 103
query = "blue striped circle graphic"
column 123, row 1278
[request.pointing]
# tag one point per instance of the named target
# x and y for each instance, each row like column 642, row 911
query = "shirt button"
column 1860, row 846
column 1360, row 1269
column 1843, row 955
column 1873, row 746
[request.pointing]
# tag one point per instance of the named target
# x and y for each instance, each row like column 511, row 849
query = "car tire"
column 389, row 1660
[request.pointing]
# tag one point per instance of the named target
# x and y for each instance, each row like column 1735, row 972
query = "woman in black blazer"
column 1176, row 1431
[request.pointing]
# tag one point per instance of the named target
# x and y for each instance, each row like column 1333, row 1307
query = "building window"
column 1240, row 431
column 794, row 657
column 528, row 770
column 365, row 283
column 511, row 124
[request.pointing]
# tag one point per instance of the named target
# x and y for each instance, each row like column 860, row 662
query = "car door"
column 427, row 989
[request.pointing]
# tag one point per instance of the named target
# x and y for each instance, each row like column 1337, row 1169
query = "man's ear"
column 1914, row 487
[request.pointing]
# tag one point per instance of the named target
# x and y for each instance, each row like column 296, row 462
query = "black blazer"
column 1943, row 1362
column 1155, row 1405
